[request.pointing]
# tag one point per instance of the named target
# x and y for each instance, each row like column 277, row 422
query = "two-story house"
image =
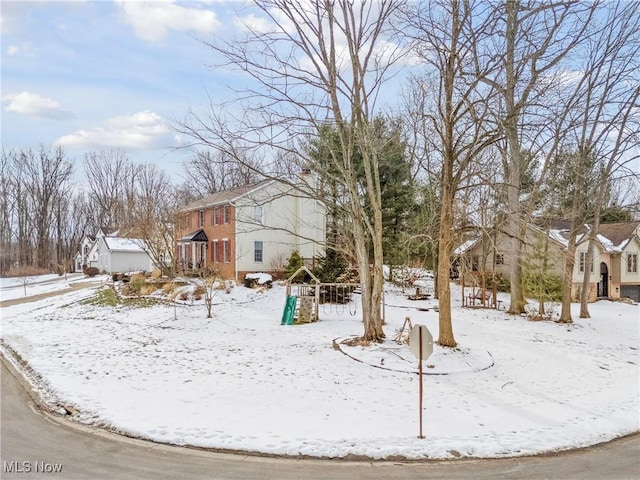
column 252, row 228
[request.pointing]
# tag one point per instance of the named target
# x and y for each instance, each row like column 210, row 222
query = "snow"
column 462, row 249
column 558, row 236
column 262, row 278
column 14, row 287
column 124, row 244
column 242, row 381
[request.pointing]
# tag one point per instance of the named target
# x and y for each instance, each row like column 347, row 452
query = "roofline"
column 132, row 240
column 257, row 186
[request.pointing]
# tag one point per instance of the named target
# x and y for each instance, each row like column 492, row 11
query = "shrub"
column 91, row 271
column 147, row 289
column 294, row 263
column 198, row 291
column 502, row 283
column 168, row 288
column 137, row 281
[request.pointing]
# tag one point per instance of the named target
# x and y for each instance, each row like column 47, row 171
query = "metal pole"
column 420, row 375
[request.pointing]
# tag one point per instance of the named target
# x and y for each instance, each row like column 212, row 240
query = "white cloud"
column 152, row 20
column 25, row 49
column 34, row 105
column 140, row 131
column 253, row 23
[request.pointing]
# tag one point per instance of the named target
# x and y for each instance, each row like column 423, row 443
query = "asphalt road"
column 34, row 444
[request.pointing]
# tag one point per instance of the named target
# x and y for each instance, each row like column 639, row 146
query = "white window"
column 257, row 251
column 583, row 262
column 226, row 253
column 499, row 258
column 216, row 254
column 201, row 218
column 632, row 263
column 258, row 213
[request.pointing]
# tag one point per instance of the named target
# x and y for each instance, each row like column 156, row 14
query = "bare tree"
column 111, row 178
column 154, row 212
column 6, row 211
column 319, row 62
column 536, row 37
column 210, row 284
column 45, row 176
column 212, row 171
column 608, row 97
column 443, row 36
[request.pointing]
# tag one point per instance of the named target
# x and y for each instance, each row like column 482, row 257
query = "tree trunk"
column 586, row 279
column 445, row 247
column 567, row 279
column 514, row 231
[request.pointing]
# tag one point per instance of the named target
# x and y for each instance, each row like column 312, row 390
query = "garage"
column 630, row 291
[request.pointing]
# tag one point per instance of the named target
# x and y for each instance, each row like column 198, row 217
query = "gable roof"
column 612, row 237
column 466, row 246
column 619, row 234
column 197, row 236
column 119, row 244
column 226, row 196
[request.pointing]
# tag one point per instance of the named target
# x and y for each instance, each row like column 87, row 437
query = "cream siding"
column 290, row 223
column 632, row 248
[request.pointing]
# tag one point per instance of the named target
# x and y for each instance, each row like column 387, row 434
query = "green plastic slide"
column 289, row 310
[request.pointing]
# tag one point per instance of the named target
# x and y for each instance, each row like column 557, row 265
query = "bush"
column 168, row 288
column 198, row 292
column 137, row 281
column 91, row 271
column 147, row 289
column 502, row 283
column 294, row 263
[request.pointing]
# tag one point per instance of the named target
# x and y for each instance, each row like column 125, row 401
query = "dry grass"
column 27, row 272
column 147, row 289
column 198, row 291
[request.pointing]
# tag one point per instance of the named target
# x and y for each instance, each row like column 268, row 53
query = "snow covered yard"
column 15, row 287
column 242, row 381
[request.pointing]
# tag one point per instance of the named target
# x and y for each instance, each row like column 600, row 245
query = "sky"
column 100, row 75
column 115, row 74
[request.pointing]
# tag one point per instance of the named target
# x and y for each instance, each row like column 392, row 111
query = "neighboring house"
column 615, row 269
column 113, row 254
column 81, row 260
column 490, row 251
column 253, row 228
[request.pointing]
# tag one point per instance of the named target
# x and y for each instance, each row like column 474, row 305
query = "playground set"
column 305, row 300
column 480, row 290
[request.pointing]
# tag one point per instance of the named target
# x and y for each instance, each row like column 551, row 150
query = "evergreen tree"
column 397, row 186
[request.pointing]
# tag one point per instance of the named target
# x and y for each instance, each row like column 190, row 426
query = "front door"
column 603, row 286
